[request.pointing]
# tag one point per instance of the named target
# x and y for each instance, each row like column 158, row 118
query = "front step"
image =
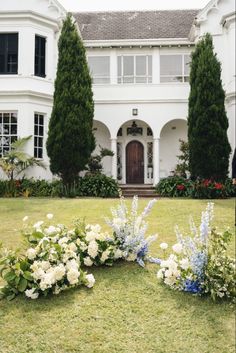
column 139, row 190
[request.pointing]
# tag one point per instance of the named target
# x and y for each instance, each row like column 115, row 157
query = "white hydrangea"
column 118, row 254
column 49, row 215
column 63, row 240
column 90, row 280
column 83, row 246
column 72, row 247
column 88, row 261
column 30, row 293
column 73, row 276
column 105, row 255
column 160, row 274
column 38, row 224
column 31, row 253
column 50, row 230
column 163, row 246
column 177, row 248
column 72, row 264
column 93, row 249
column 59, row 272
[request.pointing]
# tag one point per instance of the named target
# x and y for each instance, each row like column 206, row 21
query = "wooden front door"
column 134, row 163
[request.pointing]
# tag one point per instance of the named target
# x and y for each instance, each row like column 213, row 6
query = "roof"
column 135, row 24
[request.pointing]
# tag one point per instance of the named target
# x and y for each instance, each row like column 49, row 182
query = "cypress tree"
column 209, row 147
column 70, row 138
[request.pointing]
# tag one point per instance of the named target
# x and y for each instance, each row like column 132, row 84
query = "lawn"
column 127, row 311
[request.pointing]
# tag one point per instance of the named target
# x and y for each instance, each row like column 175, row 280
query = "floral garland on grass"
column 54, row 260
column 200, row 264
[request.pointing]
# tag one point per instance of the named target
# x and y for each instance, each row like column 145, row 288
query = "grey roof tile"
column 135, row 24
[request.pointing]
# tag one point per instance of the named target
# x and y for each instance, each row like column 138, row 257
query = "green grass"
column 127, row 311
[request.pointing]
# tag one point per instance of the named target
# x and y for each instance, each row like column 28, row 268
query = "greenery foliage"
column 182, row 167
column 70, row 137
column 16, row 160
column 199, row 189
column 97, row 185
column 95, row 161
column 209, row 148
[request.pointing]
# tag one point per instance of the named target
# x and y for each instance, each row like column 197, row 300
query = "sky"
column 116, row 5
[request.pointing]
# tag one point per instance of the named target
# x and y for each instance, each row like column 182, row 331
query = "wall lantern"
column 135, row 112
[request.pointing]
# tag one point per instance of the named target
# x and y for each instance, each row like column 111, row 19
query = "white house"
column 140, row 67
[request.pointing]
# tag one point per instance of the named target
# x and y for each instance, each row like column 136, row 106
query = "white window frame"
column 97, row 76
column 37, row 136
column 148, row 78
column 10, row 135
column 183, row 75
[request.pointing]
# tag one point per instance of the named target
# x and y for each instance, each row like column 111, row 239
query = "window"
column 100, row 69
column 135, row 69
column 38, row 135
column 8, row 131
column 8, row 53
column 174, row 68
column 40, row 56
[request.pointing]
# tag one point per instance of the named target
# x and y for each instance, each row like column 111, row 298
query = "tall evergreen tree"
column 70, row 138
column 209, row 147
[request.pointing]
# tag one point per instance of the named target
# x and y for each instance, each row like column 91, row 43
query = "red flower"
column 206, row 182
column 219, row 186
column 180, row 187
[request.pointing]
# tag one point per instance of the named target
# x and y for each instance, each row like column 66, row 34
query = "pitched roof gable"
column 135, row 24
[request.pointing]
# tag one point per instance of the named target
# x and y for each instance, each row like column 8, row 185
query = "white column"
column 156, row 160
column 114, row 158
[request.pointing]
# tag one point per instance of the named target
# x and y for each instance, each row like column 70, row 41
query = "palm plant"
column 16, row 160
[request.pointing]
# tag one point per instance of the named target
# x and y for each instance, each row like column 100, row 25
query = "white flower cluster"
column 54, row 260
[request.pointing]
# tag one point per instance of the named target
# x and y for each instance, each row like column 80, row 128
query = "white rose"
column 95, row 228
column 88, row 261
column 63, row 240
column 90, row 280
column 38, row 225
column 184, row 263
column 73, row 276
column 118, row 254
column 93, row 249
column 25, row 219
column 163, row 246
column 49, row 215
column 105, row 255
column 31, row 253
column 72, row 264
column 59, row 272
column 90, row 236
column 45, row 265
column 83, row 246
column 177, row 248
column 50, row 230
column 30, row 293
column 72, row 247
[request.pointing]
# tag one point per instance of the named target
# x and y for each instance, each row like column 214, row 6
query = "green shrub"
column 97, row 185
column 210, row 189
column 175, row 186
column 200, row 189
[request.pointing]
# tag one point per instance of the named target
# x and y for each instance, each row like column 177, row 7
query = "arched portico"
column 103, row 138
column 134, row 153
column 170, row 135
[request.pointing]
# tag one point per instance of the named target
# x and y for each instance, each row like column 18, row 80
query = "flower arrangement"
column 51, row 265
column 55, row 255
column 199, row 263
column 129, row 230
